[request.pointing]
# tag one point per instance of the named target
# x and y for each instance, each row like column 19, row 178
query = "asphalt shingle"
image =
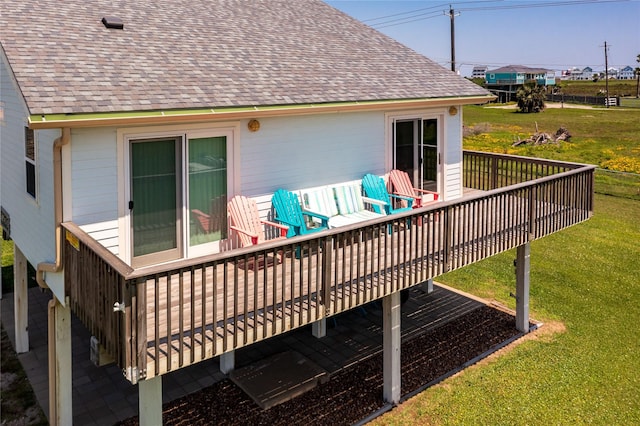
column 201, row 54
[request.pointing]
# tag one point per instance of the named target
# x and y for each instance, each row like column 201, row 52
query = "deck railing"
column 161, row 318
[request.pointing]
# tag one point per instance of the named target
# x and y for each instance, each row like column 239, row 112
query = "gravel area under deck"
column 354, row 393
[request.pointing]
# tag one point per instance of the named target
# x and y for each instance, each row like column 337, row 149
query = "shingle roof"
column 199, row 53
column 519, row 69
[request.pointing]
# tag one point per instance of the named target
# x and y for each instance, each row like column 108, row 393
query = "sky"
column 552, row 34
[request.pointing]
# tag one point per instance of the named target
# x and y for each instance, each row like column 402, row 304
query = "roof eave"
column 51, row 121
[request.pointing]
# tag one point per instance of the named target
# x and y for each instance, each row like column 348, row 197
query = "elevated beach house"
column 127, row 127
column 505, row 81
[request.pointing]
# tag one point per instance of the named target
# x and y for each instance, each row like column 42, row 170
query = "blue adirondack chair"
column 375, row 188
column 289, row 212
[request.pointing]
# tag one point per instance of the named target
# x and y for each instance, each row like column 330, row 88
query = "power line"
column 410, row 12
column 420, row 14
column 543, row 4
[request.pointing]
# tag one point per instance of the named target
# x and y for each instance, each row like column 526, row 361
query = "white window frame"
column 33, row 162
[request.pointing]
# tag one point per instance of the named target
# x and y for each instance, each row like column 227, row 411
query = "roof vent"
column 112, row 22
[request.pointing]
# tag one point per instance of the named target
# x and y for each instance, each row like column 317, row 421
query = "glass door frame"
column 418, row 117
column 171, row 253
column 213, row 246
column 231, row 130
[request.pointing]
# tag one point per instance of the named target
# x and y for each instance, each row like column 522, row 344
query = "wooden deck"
column 173, row 315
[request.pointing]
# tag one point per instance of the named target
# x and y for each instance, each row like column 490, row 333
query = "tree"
column 530, row 98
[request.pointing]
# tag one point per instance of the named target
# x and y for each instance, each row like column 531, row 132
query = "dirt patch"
column 18, row 404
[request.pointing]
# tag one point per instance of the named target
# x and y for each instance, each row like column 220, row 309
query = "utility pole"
column 452, row 15
column 606, row 74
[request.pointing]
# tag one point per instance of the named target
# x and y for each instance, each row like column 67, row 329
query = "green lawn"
column 590, row 88
column 585, row 281
column 6, row 261
column 582, row 366
column 608, row 138
column 600, row 136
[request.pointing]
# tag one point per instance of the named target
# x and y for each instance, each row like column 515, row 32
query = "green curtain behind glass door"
column 154, row 193
column 207, row 189
column 430, row 150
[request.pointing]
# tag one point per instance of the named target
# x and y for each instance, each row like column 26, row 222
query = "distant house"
column 613, row 73
column 504, row 82
column 479, row 71
column 124, row 123
column 627, row 73
column 574, row 73
column 586, row 73
column 518, row 75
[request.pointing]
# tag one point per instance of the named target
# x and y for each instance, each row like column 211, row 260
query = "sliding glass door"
column 155, row 200
column 416, row 150
column 179, row 186
column 207, row 189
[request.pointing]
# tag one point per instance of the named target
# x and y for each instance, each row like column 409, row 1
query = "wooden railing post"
column 532, row 213
column 448, row 237
column 128, row 308
column 494, row 173
column 326, row 278
column 140, row 303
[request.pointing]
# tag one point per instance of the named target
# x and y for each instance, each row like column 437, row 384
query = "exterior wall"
column 94, row 184
column 291, row 153
column 286, row 152
column 543, row 79
column 32, row 220
column 307, row 151
column 452, row 154
column 505, row 78
column 478, row 72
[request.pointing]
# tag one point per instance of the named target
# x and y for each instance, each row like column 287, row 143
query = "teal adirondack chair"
column 289, row 212
column 375, row 188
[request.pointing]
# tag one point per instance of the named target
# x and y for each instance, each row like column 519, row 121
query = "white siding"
column 286, row 152
column 306, row 151
column 452, row 171
column 94, row 191
column 291, row 153
column 94, row 175
column 32, row 223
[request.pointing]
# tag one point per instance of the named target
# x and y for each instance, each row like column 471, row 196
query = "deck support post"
column 150, row 401
column 20, row 300
column 60, row 370
column 427, row 286
column 228, row 362
column 319, row 328
column 523, row 268
column 391, row 347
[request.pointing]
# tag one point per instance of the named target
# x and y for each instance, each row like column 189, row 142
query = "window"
column 30, row 160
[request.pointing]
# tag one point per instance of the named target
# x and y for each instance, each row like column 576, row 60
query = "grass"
column 6, row 261
column 590, row 88
column 586, row 278
column 598, row 136
column 580, row 367
column 608, row 138
column 630, row 102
